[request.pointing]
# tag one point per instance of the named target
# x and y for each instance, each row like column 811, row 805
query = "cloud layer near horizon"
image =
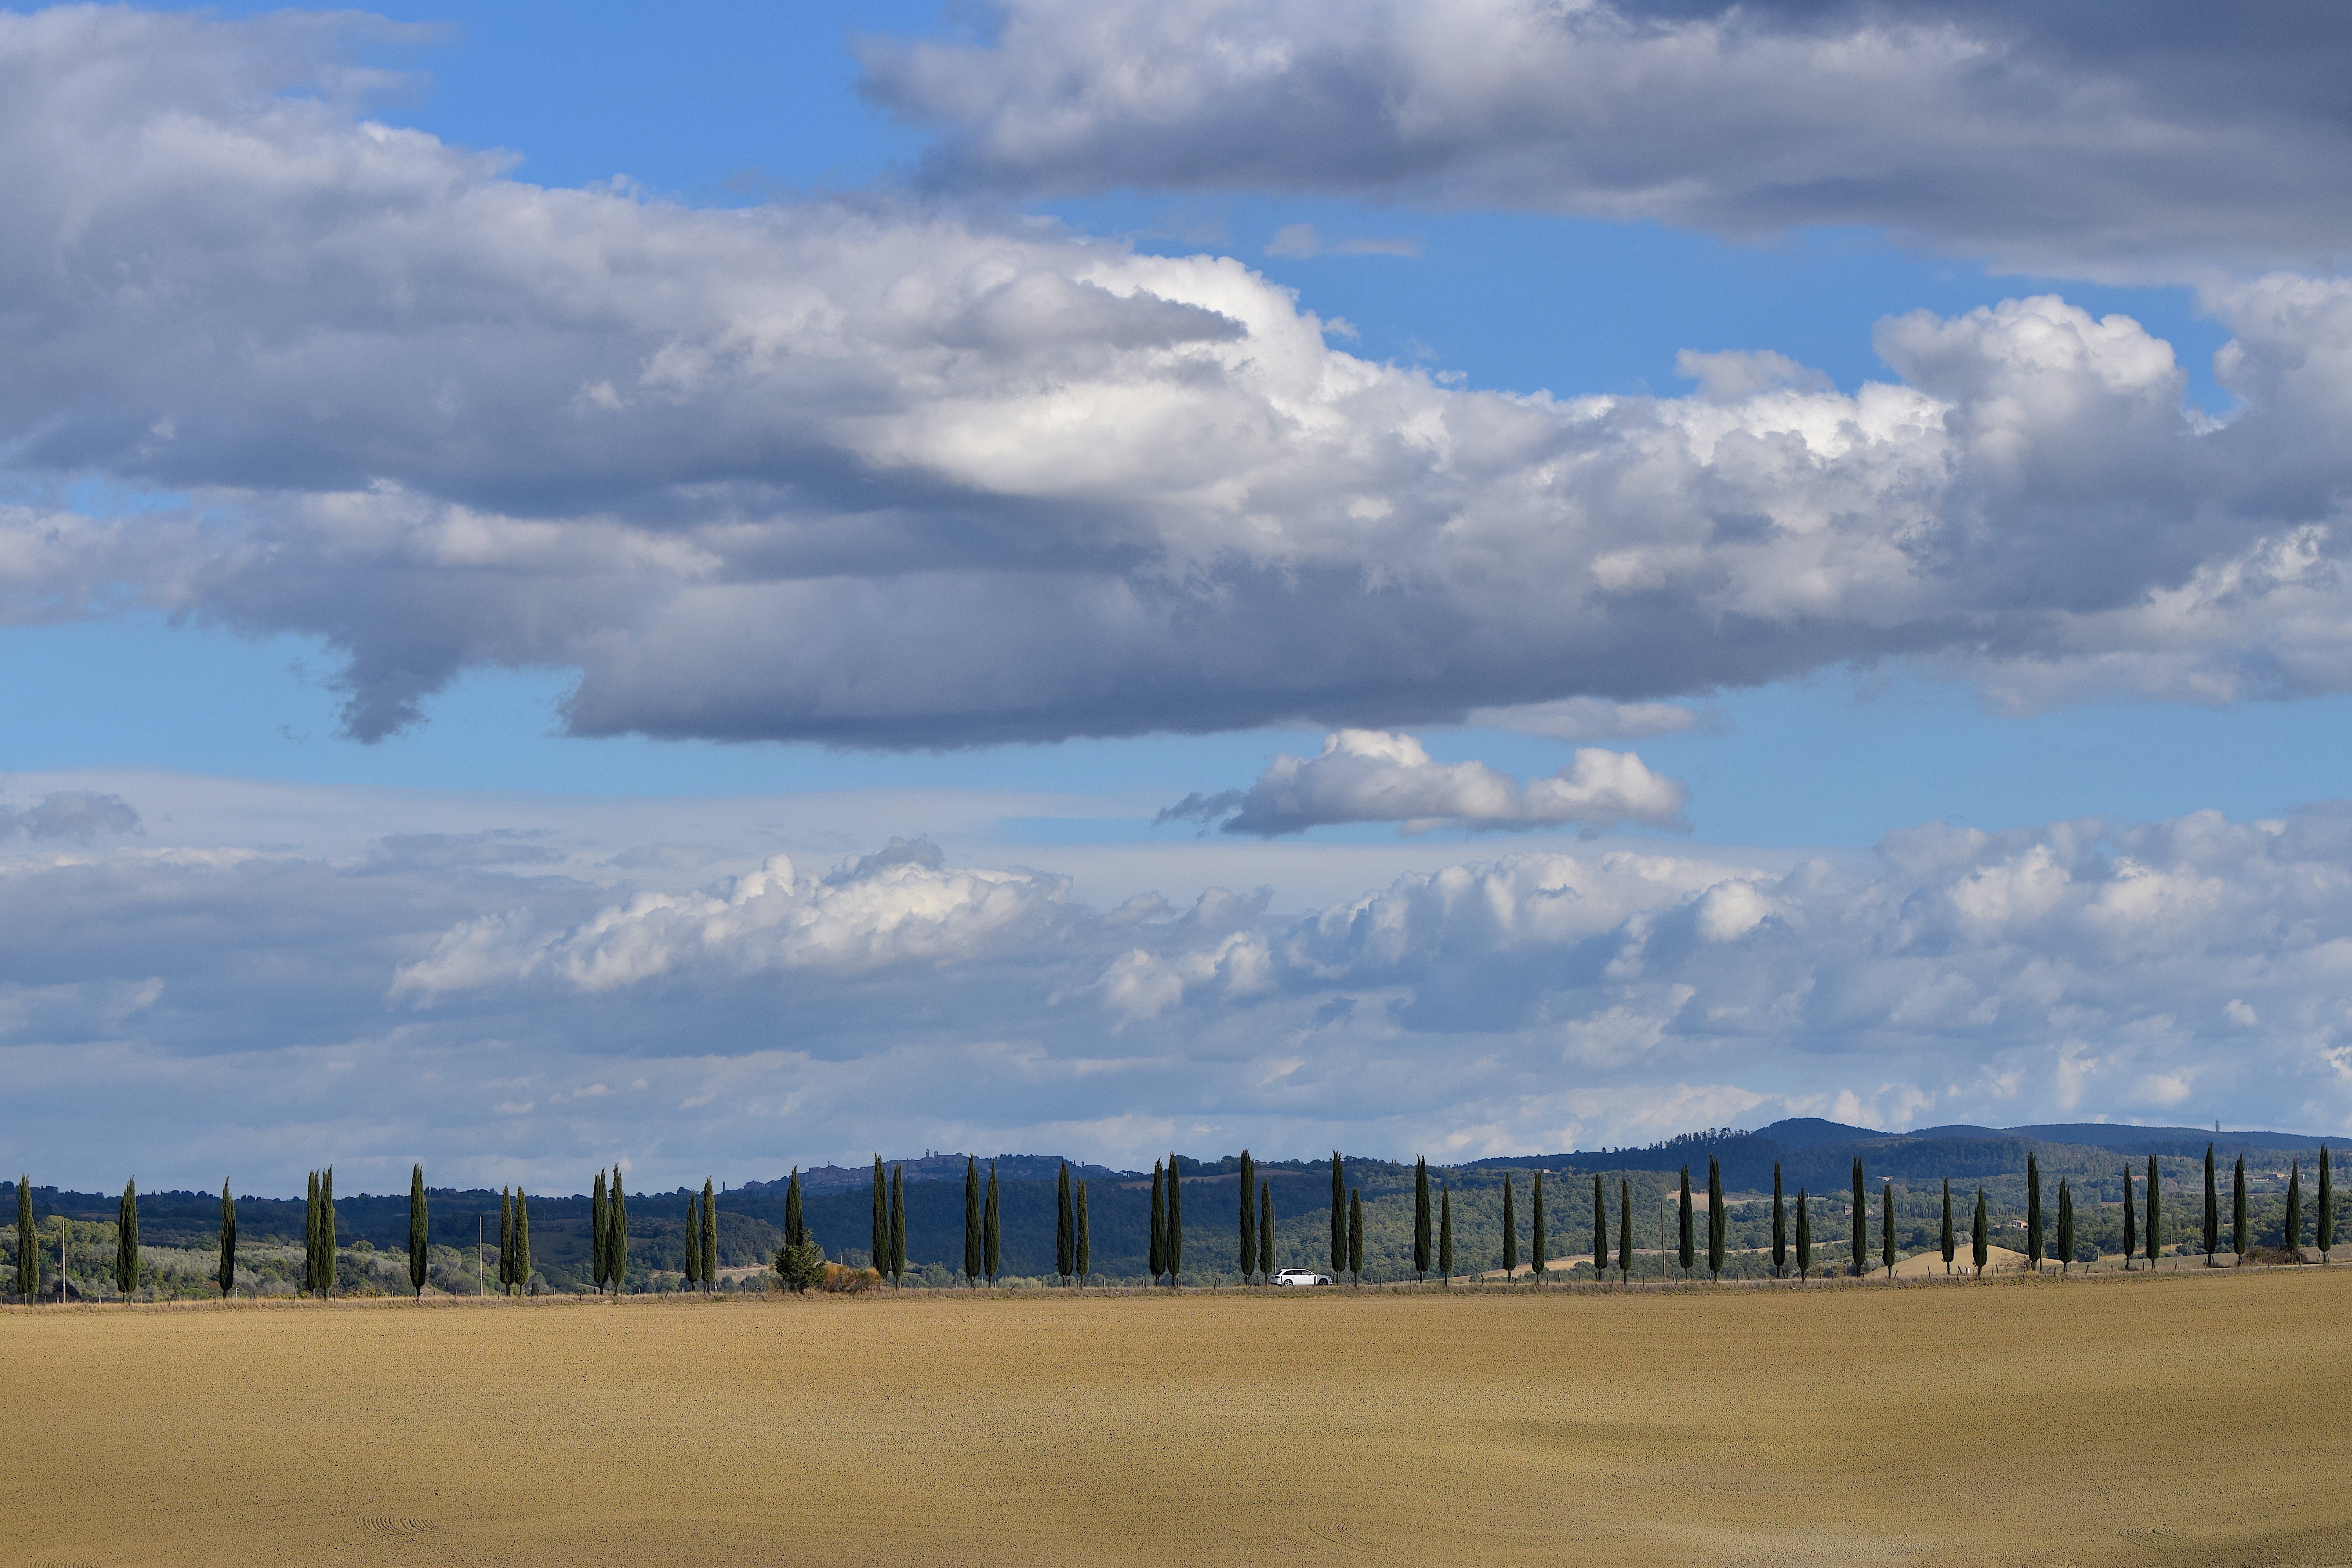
column 470, row 1000
column 2069, row 137
column 877, row 473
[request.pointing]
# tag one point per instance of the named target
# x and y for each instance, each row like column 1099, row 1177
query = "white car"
column 1300, row 1277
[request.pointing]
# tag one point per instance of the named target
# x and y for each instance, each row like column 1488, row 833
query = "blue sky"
column 846, row 568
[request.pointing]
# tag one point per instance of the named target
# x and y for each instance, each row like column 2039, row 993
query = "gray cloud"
column 1370, row 775
column 77, row 813
column 2068, row 137
column 879, row 475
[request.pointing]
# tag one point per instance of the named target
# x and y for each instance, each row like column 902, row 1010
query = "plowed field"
column 2179, row 1419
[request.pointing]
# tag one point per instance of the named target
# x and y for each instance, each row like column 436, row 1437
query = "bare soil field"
column 2183, row 1418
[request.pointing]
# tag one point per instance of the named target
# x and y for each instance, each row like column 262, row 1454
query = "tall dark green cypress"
column 708, row 1241
column 1978, row 1243
column 1338, row 1218
column 2034, row 1213
column 1539, row 1248
column 310, row 1235
column 1510, row 1229
column 2066, row 1226
column 1422, row 1239
column 1445, row 1232
column 690, row 1241
column 1859, row 1238
column 1065, row 1226
column 795, row 1221
column 2239, row 1235
column 327, row 1231
column 2154, row 1235
column 1159, row 1226
column 1946, row 1238
column 618, row 1207
column 1175, row 1223
column 600, row 1227
column 972, row 1254
column 29, row 1244
column 126, row 1241
column 522, row 1242
column 1624, row 1231
column 2131, row 1218
column 1266, row 1230
column 1245, row 1253
column 1085, row 1242
column 505, row 1241
column 991, row 1235
column 227, row 1275
column 1780, row 1227
column 1804, row 1236
column 1716, row 1217
column 1886, row 1227
column 1356, row 1234
column 2294, row 1226
column 879, row 1250
column 897, row 1226
column 2327, row 1227
column 1599, row 1229
column 419, row 1232
column 1687, row 1252
column 2212, row 1211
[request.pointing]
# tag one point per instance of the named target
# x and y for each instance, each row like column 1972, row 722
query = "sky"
column 736, row 586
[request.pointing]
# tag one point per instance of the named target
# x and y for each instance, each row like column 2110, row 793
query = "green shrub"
column 800, row 1267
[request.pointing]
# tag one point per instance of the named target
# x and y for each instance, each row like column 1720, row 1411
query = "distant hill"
column 2130, row 1140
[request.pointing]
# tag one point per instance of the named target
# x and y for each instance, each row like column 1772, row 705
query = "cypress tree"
column 1085, row 1244
column 1356, row 1234
column 795, row 1224
column 897, row 1224
column 310, row 1235
column 522, row 1242
column 2034, row 1213
column 2154, row 1237
column 690, row 1241
column 1445, row 1232
column 1266, row 1230
column 1780, row 1227
column 1886, row 1227
column 992, row 1235
column 1715, row 1218
column 2066, row 1226
column 419, row 1232
column 1976, row 1242
column 505, row 1241
column 1338, row 1218
column 710, row 1237
column 1065, row 1226
column 1624, row 1231
column 2326, row 1208
column 1599, row 1230
column 1537, row 1248
column 1159, row 1226
column 29, row 1244
column 1421, row 1219
column 2212, row 1211
column 879, row 1251
column 1687, row 1254
column 327, row 1231
column 2294, row 1209
column 126, row 1241
column 1946, row 1238
column 2239, row 1236
column 972, row 1254
column 2131, row 1220
column 600, row 1227
column 1510, row 1230
column 619, row 1215
column 228, row 1241
column 1859, row 1239
column 1175, row 1223
column 1247, row 1253
column 1804, row 1236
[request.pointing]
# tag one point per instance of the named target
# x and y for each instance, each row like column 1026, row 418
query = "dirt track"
column 2172, row 1420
